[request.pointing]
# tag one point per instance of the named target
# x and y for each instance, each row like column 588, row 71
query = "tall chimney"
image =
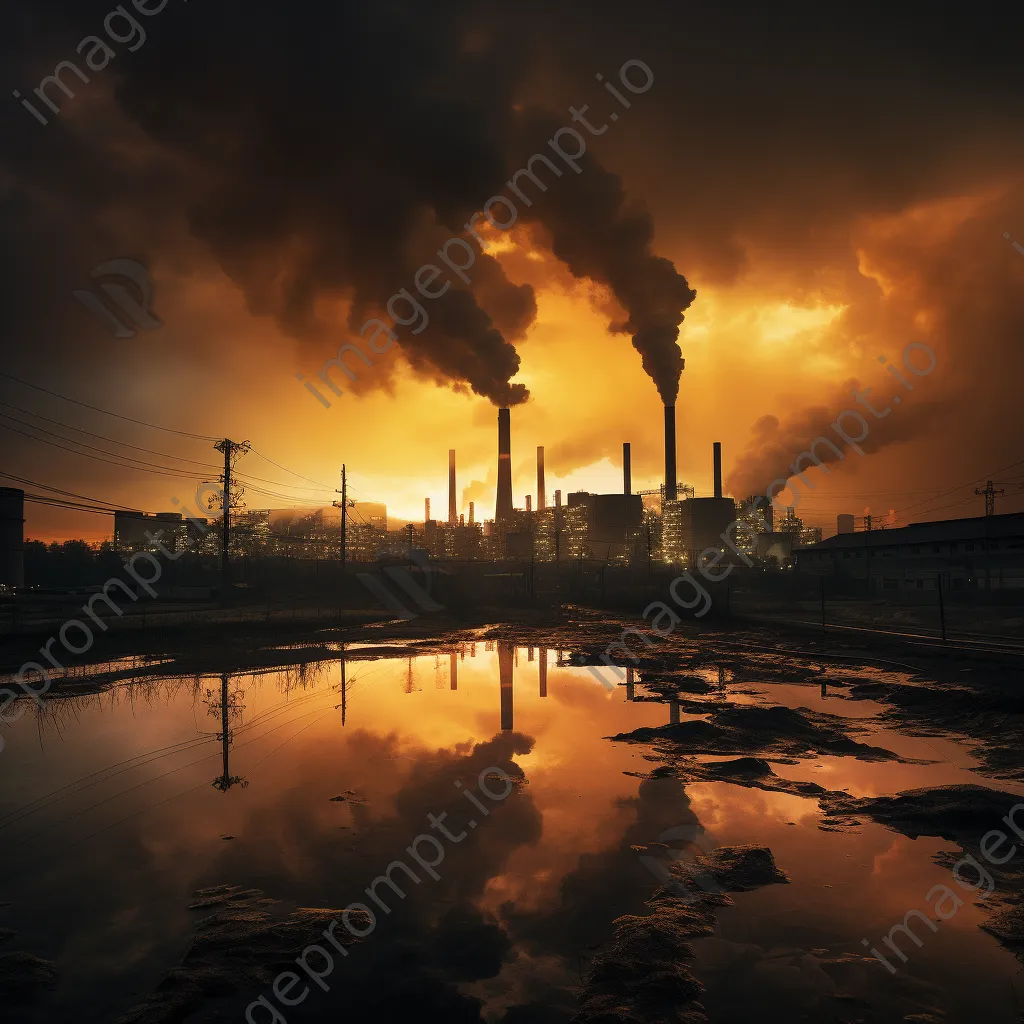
column 529, row 503
column 426, row 514
column 503, row 502
column 717, row 449
column 542, row 502
column 558, row 499
column 670, row 453
column 627, row 470
column 453, row 515
column 472, row 513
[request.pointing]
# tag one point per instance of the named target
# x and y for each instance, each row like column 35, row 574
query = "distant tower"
column 453, row 517
column 990, row 497
column 542, row 498
column 426, row 512
column 472, row 512
column 529, row 503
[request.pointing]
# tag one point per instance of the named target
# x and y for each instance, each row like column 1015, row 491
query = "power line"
column 57, row 490
column 324, row 486
column 117, row 455
column 107, row 412
column 178, row 474
column 102, row 437
column 970, row 483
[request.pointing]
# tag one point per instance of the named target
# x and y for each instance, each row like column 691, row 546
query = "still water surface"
column 116, row 807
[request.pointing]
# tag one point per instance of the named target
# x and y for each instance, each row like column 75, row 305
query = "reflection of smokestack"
column 505, row 671
column 543, row 671
column 453, row 514
column 503, row 503
column 717, row 449
column 670, row 453
column 453, row 670
column 472, row 512
column 542, row 501
column 630, row 684
column 627, row 470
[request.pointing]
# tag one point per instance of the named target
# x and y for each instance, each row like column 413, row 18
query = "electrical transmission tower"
column 231, row 499
column 226, row 706
column 990, row 497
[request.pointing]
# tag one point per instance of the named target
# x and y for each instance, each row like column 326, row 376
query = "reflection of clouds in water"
column 785, row 982
column 602, row 887
column 436, row 937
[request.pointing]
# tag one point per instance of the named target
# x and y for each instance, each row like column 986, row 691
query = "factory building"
column 130, row 529
column 12, row 537
column 984, row 553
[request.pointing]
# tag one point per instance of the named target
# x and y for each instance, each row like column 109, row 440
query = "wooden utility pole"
column 343, row 505
column 230, row 449
column 226, row 708
column 225, row 564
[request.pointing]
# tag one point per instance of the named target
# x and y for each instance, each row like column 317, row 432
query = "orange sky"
column 830, row 199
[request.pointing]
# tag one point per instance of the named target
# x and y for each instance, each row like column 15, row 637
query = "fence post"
column 942, row 607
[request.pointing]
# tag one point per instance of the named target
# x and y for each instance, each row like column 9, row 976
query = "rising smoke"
column 776, row 444
column 328, row 165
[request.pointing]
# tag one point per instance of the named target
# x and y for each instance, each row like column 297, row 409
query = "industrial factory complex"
column 670, row 526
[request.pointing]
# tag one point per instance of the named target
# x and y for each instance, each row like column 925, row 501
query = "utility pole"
column 230, row 449
column 226, row 707
column 343, row 505
column 990, row 497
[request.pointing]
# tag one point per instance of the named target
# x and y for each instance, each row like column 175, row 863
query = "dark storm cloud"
column 319, row 154
column 318, row 149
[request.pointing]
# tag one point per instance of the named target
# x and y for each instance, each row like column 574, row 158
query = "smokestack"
column 627, row 470
column 503, row 502
column 453, row 515
column 717, row 450
column 472, row 513
column 542, row 502
column 670, row 453
column 505, row 676
column 558, row 499
column 426, row 513
column 529, row 503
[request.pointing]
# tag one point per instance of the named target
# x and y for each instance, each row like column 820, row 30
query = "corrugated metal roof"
column 941, row 531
